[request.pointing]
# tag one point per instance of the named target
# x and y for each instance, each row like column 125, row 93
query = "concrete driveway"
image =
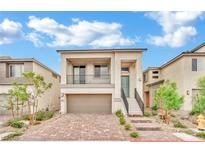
column 76, row 127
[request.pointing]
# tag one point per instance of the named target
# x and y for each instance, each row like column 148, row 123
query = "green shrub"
column 190, row 132
column 25, row 117
column 134, row 134
column 178, row 124
column 147, row 114
column 15, row 123
column 128, row 127
column 122, row 120
column 155, row 107
column 201, row 135
column 119, row 113
column 44, row 115
column 154, row 113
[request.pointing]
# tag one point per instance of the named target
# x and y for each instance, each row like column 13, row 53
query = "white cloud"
column 35, row 38
column 177, row 27
column 80, row 33
column 9, row 31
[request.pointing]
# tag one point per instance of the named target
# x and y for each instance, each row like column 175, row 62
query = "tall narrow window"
column 194, row 64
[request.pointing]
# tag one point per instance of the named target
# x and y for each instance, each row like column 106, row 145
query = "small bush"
column 178, row 124
column 155, row 107
column 154, row 113
column 15, row 123
column 25, row 117
column 147, row 114
column 44, row 115
column 201, row 135
column 134, row 134
column 128, row 127
column 119, row 113
column 122, row 120
column 190, row 132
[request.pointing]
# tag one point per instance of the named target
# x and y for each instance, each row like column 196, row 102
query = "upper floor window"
column 16, row 70
column 155, row 72
column 125, row 69
column 197, row 64
column 101, row 70
column 155, row 77
column 145, row 77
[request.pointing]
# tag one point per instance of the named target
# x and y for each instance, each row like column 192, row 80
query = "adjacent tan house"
column 101, row 81
column 185, row 69
column 11, row 71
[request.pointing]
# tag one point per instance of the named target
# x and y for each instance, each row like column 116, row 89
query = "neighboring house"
column 185, row 69
column 101, row 81
column 11, row 71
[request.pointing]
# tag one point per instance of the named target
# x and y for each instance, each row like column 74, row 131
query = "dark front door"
column 125, row 85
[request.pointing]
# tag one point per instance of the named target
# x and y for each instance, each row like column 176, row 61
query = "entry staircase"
column 134, row 106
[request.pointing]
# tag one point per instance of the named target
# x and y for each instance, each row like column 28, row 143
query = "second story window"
column 125, row 69
column 194, row 64
column 101, row 70
column 145, row 77
column 16, row 70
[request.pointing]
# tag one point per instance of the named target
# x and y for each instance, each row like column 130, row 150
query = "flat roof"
column 27, row 60
column 105, row 50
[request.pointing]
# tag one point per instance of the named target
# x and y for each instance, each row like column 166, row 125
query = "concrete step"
column 134, row 108
column 141, row 120
column 147, row 126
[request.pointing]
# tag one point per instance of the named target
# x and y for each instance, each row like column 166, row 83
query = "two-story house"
column 185, row 69
column 11, row 70
column 101, row 81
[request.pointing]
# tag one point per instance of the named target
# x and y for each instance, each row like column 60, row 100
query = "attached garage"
column 89, row 103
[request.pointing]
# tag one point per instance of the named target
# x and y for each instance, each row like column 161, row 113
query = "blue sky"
column 40, row 34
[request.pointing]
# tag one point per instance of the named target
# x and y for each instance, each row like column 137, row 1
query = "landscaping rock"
column 3, row 135
column 25, row 122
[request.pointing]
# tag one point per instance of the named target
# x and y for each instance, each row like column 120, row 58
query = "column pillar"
column 139, row 76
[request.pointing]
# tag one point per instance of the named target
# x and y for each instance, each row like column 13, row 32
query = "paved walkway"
column 76, row 127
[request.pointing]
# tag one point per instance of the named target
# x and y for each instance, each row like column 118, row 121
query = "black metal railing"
column 139, row 101
column 88, row 79
column 125, row 100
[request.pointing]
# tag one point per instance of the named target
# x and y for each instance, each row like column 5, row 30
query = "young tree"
column 199, row 106
column 39, row 88
column 167, row 98
column 18, row 95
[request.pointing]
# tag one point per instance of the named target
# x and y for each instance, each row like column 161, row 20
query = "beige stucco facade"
column 180, row 71
column 114, row 59
column 51, row 98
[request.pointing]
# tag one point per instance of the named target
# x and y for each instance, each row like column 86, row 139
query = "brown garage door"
column 93, row 103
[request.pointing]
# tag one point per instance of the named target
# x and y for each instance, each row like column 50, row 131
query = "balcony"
column 88, row 79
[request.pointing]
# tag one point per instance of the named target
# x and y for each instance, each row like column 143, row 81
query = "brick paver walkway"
column 76, row 127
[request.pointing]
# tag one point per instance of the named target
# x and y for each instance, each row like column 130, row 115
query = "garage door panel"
column 89, row 103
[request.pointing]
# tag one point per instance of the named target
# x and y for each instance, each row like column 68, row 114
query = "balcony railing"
column 88, row 79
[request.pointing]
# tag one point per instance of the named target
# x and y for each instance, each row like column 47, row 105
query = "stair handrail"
column 139, row 101
column 125, row 100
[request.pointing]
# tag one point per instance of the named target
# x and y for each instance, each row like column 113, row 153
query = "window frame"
column 12, row 75
column 100, row 70
column 194, row 65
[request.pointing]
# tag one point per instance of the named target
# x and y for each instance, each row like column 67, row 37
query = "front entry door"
column 125, row 85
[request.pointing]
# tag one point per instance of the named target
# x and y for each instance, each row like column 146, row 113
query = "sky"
column 39, row 34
